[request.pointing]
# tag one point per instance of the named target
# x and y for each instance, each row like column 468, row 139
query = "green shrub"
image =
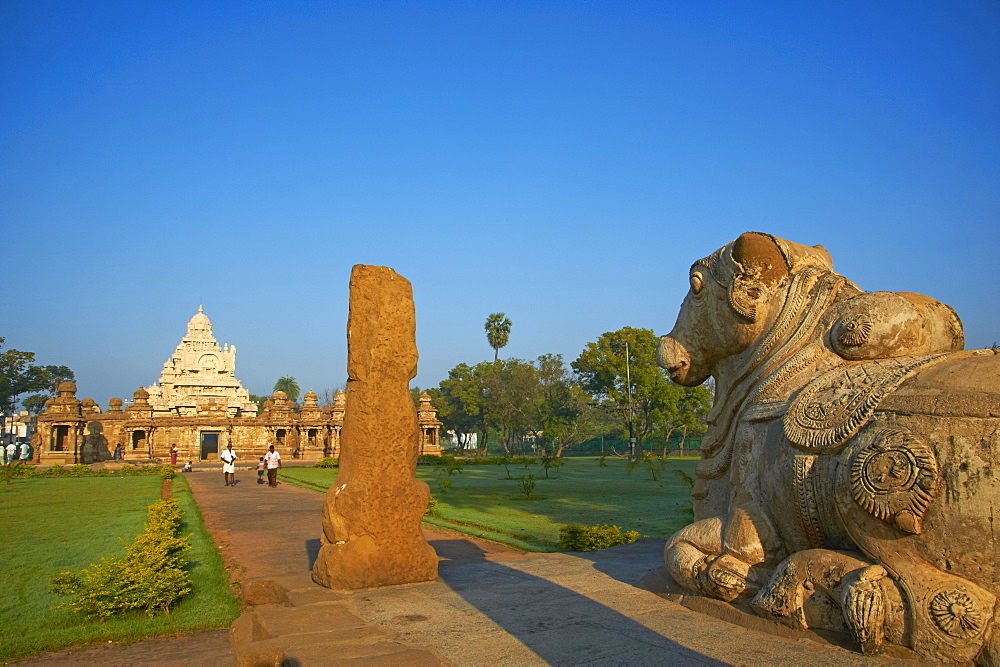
column 553, row 462
column 149, row 577
column 10, row 471
column 484, row 461
column 328, row 462
column 166, row 471
column 432, row 504
column 425, row 459
column 574, row 537
column 527, row 484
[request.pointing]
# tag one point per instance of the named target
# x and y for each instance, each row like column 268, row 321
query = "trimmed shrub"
column 150, row 576
column 574, row 537
column 328, row 462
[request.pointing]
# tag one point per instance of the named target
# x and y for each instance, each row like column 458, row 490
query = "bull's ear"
column 760, row 258
column 762, row 268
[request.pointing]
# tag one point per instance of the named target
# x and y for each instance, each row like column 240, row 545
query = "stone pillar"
column 371, row 518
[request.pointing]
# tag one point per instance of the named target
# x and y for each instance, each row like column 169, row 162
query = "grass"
column 481, row 501
column 64, row 524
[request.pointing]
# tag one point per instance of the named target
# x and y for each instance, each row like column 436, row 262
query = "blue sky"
column 563, row 162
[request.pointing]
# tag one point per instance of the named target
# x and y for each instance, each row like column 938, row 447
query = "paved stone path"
column 490, row 604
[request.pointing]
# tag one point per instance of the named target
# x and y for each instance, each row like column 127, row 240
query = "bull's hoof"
column 863, row 604
column 725, row 578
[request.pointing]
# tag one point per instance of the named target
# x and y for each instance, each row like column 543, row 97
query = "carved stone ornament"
column 894, row 478
column 744, row 294
column 834, row 406
column 853, row 331
column 956, row 613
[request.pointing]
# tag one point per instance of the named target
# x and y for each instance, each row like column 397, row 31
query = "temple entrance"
column 209, row 444
column 138, row 438
column 61, row 435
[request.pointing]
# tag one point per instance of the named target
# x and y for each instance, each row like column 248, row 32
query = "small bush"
column 574, row 537
column 166, row 472
column 150, row 577
column 10, row 471
column 553, row 462
column 527, row 484
column 432, row 504
column 328, row 462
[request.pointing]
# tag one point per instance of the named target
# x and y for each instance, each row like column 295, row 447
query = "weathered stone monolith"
column 371, row 518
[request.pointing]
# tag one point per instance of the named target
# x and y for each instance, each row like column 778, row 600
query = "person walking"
column 173, row 454
column 273, row 461
column 228, row 457
column 261, row 467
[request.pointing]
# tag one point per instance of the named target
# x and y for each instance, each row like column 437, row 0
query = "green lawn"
column 64, row 524
column 482, row 502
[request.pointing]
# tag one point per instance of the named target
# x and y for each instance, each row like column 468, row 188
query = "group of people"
column 269, row 463
column 16, row 451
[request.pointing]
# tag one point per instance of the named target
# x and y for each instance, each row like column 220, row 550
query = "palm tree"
column 497, row 332
column 289, row 386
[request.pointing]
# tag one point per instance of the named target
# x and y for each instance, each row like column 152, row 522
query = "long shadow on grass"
column 560, row 625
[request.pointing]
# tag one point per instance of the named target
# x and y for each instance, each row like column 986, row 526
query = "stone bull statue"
column 851, row 470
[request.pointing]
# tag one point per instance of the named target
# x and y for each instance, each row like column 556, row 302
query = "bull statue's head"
column 734, row 298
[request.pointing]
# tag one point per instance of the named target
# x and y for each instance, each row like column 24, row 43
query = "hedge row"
column 23, row 471
column 479, row 460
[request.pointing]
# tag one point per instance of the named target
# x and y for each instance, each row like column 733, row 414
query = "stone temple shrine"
column 199, row 406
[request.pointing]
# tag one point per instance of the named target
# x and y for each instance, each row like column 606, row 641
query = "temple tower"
column 200, row 372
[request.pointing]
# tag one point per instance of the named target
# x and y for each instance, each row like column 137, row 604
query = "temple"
column 199, row 406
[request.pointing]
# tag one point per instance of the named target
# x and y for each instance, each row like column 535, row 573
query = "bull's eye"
column 696, row 283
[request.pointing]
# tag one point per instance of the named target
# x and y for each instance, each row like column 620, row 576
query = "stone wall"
column 73, row 431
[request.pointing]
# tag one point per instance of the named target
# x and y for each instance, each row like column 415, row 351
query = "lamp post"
column 631, row 410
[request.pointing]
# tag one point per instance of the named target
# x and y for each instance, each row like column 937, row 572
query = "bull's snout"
column 672, row 356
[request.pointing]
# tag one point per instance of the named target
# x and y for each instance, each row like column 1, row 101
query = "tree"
column 566, row 413
column 461, row 407
column 53, row 376
column 693, row 411
column 19, row 376
column 620, row 369
column 289, row 386
column 497, row 332
column 510, row 388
